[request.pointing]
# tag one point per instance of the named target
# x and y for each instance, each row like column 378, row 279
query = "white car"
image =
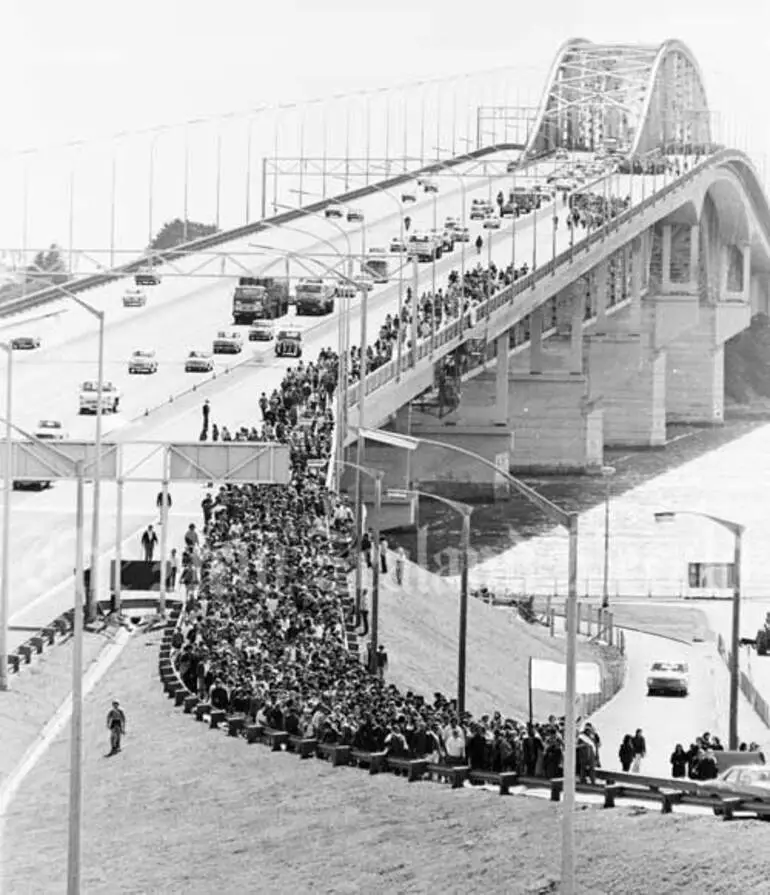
column 355, row 214
column 561, row 155
column 451, row 223
column 147, row 277
column 50, row 430
column 199, row 362
column 334, row 211
column 346, row 289
column 480, row 208
column 89, row 397
column 397, row 244
column 668, row 677
column 142, row 361
column 134, row 298
column 491, row 222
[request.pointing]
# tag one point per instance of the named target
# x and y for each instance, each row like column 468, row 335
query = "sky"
column 81, row 70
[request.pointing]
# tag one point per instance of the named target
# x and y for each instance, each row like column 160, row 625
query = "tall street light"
column 607, row 472
column 5, row 575
column 736, row 529
column 465, row 511
column 92, row 594
column 376, row 475
column 568, row 520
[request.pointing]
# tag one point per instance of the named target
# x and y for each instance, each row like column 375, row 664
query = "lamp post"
column 92, row 594
column 607, row 473
column 376, row 475
column 568, row 520
column 736, row 529
column 465, row 511
column 5, row 574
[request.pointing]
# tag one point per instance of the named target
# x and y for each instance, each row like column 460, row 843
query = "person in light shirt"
column 454, row 742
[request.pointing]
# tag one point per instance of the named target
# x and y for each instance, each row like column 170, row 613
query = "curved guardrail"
column 454, row 329
column 52, row 293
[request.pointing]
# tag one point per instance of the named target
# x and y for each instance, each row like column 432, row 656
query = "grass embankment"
column 680, row 622
column 185, row 809
column 419, row 628
column 36, row 693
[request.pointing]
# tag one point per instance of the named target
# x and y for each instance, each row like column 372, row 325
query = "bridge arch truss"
column 639, row 97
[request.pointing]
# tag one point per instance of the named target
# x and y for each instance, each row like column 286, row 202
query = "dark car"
column 25, row 343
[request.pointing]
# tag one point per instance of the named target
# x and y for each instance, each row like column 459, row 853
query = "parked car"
column 397, row 244
column 89, row 397
column 147, row 277
column 289, row 343
column 199, row 362
column 334, row 211
column 25, row 343
column 143, row 361
column 228, row 343
column 134, row 298
column 750, row 781
column 261, row 332
column 491, row 222
column 355, row 214
column 668, row 677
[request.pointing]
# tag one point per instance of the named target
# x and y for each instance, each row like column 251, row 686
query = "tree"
column 177, row 232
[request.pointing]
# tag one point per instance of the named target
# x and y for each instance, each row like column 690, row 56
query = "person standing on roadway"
column 116, row 724
column 640, row 750
column 149, row 543
column 479, row 244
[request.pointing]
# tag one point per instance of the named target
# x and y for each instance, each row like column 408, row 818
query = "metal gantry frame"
column 641, row 96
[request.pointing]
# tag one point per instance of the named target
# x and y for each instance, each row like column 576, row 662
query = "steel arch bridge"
column 642, row 97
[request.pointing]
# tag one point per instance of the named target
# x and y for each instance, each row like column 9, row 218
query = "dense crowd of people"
column 592, row 210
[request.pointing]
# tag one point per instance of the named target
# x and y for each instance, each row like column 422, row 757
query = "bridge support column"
column 695, row 388
column 536, row 341
column 665, row 272
column 694, row 256
column 600, row 298
column 576, row 332
column 501, row 383
column 628, row 379
column 555, row 427
column 746, row 281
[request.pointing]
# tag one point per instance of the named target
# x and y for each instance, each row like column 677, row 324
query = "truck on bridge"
column 314, row 296
column 260, row 298
column 425, row 247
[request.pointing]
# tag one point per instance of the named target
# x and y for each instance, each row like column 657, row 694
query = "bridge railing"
column 453, row 330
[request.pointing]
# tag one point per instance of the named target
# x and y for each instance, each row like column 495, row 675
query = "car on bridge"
column 25, row 343
column 364, row 282
column 147, row 277
column 143, row 361
column 89, row 397
column 199, row 362
column 261, row 332
column 397, row 245
column 354, row 214
column 134, row 298
column 227, row 343
column 408, row 195
column 491, row 222
column 561, row 155
column 668, row 677
column 334, row 211
column 346, row 289
column 46, row 430
column 480, row 208
column 462, row 234
column 451, row 223
column 428, row 185
column 445, row 237
column 513, row 165
column 50, row 430
column 289, row 343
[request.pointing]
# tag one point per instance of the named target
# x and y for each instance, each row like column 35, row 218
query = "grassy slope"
column 419, row 628
column 185, row 809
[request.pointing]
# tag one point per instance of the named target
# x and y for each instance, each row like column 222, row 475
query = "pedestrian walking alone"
column 149, row 543
column 206, row 413
column 116, row 724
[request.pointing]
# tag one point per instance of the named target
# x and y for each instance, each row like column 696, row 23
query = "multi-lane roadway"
column 186, row 314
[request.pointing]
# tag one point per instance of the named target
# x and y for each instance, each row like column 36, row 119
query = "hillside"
column 419, row 627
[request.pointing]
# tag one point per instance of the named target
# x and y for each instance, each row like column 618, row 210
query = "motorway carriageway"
column 42, row 534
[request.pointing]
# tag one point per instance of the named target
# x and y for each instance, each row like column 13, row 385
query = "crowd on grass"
column 263, row 632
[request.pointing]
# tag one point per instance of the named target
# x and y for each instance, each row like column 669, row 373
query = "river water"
column 724, row 472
